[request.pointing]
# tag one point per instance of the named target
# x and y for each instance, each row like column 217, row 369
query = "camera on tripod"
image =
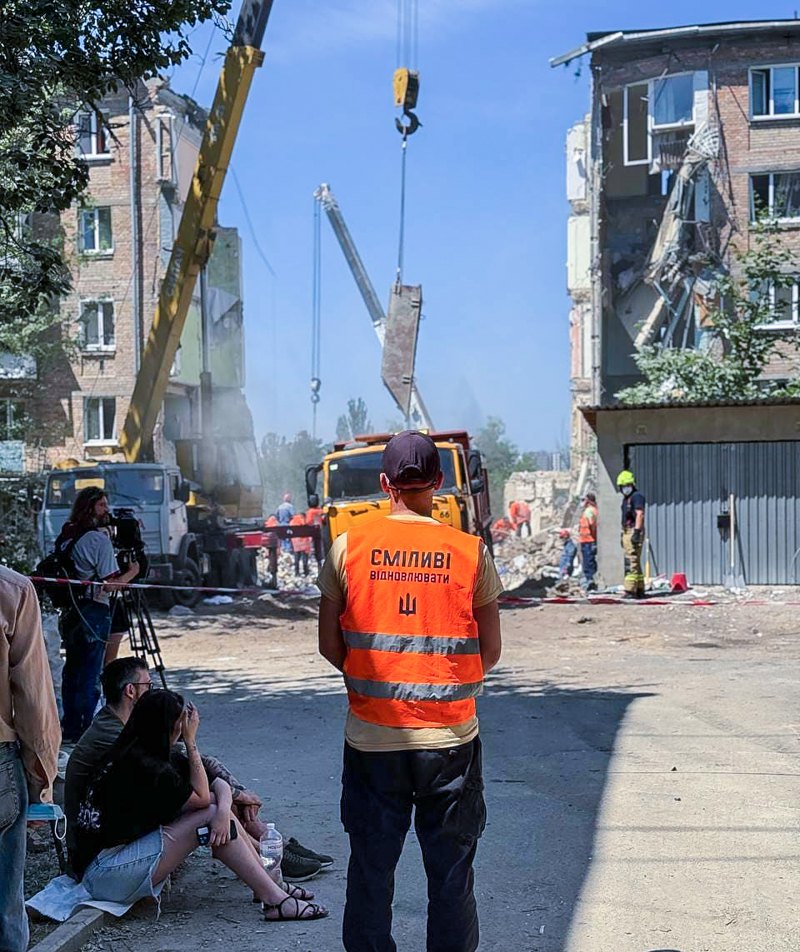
column 126, row 537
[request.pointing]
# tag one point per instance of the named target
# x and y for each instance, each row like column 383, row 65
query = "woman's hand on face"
column 220, row 828
column 191, row 722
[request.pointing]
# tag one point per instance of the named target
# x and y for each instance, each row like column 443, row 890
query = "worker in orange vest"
column 315, row 517
column 587, row 536
column 301, row 545
column 519, row 513
column 409, row 614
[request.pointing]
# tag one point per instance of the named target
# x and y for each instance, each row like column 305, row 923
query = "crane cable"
column 316, row 312
column 406, row 90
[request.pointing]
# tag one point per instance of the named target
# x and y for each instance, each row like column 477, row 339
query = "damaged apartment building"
column 141, row 150
column 691, row 130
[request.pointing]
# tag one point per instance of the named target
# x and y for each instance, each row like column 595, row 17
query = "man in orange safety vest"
column 587, row 536
column 409, row 614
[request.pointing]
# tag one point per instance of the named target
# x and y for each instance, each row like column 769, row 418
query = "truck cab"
column 351, row 493
column 155, row 493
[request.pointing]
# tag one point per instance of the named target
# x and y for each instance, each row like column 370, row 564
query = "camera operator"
column 86, row 624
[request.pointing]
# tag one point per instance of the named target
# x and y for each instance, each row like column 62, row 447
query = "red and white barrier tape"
column 217, row 590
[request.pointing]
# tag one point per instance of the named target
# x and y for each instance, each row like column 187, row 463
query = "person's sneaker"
column 297, row 868
column 322, row 858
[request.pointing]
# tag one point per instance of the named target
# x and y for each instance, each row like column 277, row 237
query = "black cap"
column 411, row 458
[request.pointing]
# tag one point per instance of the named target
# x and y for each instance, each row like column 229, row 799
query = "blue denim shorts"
column 124, row 873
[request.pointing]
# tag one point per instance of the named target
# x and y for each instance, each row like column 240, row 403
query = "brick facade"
column 56, row 407
column 629, row 201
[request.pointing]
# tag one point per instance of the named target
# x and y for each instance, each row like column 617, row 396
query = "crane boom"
column 417, row 411
column 195, row 236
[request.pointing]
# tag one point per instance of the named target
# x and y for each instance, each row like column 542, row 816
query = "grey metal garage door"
column 688, row 485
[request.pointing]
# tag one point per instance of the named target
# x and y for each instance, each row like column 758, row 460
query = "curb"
column 71, row 935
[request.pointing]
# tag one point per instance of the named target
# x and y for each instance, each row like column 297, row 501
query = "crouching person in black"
column 145, row 810
column 86, row 623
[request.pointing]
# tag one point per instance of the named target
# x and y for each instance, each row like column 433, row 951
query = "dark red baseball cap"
column 411, row 459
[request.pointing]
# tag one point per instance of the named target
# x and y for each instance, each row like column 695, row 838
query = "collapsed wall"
column 546, row 492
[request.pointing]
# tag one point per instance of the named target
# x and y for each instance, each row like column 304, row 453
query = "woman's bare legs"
column 180, row 839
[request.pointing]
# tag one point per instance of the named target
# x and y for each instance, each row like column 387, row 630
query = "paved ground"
column 641, row 771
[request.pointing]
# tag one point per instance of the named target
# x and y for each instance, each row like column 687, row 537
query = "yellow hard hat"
column 625, row 478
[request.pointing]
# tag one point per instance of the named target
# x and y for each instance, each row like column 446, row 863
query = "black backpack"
column 59, row 564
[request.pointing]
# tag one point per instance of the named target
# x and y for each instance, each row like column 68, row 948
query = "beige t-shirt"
column 364, row 736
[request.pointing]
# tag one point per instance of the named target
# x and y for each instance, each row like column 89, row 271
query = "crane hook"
column 406, row 91
column 407, row 130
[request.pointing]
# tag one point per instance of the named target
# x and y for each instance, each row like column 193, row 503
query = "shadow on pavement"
column 547, row 751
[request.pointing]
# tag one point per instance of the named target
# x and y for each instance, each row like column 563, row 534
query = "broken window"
column 777, row 194
column 673, row 100
column 774, row 91
column 655, row 111
column 636, row 122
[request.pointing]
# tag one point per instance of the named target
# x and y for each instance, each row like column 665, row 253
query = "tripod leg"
column 150, row 638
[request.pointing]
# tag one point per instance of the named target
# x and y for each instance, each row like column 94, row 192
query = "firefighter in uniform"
column 633, row 506
column 409, row 614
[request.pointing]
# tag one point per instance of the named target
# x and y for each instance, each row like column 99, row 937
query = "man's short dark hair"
column 118, row 675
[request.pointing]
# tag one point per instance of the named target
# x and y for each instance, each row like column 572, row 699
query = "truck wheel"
column 188, row 574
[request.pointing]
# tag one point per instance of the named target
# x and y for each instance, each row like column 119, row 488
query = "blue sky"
column 487, row 213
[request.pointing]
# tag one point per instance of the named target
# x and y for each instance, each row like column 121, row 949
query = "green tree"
column 56, row 58
column 283, row 465
column 501, row 457
column 732, row 368
column 355, row 421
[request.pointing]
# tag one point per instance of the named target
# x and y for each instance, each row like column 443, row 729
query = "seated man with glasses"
column 124, row 682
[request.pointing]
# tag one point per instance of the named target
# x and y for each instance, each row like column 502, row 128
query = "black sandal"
column 310, row 911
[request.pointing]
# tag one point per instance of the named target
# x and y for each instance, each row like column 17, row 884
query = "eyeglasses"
column 145, row 684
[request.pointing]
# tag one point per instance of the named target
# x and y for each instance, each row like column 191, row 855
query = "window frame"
column 772, row 116
column 101, row 440
column 100, row 347
column 96, row 252
column 652, row 127
column 7, row 421
column 97, row 133
column 667, row 126
column 771, row 196
column 793, row 321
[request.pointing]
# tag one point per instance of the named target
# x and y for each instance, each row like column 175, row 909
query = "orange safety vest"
column 413, row 654
column 314, row 516
column 587, row 527
column 300, row 543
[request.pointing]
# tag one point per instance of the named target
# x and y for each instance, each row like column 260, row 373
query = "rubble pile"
column 529, row 566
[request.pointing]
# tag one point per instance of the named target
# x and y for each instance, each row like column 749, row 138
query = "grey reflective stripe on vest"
column 417, row 644
column 402, row 691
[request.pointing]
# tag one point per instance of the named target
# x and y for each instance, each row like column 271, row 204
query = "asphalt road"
column 641, row 769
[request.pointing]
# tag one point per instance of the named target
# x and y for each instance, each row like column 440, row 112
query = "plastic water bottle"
column 271, row 849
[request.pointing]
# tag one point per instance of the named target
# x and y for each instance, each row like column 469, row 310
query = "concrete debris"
column 178, row 611
column 529, row 567
column 547, row 492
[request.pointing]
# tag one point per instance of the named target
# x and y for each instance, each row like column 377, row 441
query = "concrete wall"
column 618, row 429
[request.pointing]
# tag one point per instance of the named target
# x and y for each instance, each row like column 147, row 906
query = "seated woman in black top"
column 142, row 810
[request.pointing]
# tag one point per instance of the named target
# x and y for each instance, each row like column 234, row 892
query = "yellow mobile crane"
column 195, row 237
column 208, row 539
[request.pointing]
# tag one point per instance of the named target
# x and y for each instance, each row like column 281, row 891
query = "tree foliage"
column 732, row 367
column 500, row 455
column 283, row 464
column 57, row 56
column 355, row 421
